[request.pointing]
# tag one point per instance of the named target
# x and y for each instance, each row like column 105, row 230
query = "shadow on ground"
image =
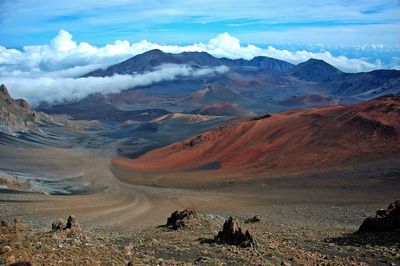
column 384, row 239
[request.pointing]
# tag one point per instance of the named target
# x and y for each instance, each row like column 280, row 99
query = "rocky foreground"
column 191, row 238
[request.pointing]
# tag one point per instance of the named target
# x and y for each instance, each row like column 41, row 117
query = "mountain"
column 17, row 116
column 260, row 85
column 348, row 84
column 153, row 58
column 316, row 70
column 291, row 141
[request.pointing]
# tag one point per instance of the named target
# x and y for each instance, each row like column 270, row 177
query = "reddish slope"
column 290, row 141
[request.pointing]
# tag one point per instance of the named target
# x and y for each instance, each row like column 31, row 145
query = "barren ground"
column 306, row 218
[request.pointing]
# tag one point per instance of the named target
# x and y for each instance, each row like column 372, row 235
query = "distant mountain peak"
column 317, row 62
column 153, row 52
column 156, row 50
column 316, row 70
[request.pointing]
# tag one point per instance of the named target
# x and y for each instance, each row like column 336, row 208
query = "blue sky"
column 27, row 22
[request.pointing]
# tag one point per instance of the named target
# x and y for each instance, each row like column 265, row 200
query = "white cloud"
column 66, row 57
column 56, row 90
column 63, row 42
column 51, row 71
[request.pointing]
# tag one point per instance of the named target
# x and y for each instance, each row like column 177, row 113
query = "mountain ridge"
column 150, row 59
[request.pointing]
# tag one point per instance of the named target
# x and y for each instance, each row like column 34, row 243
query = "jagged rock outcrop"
column 17, row 115
column 384, row 220
column 233, row 234
column 187, row 218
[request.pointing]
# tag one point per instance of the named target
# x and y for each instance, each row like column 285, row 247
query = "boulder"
column 233, row 234
column 58, row 225
column 254, row 219
column 384, row 220
column 187, row 218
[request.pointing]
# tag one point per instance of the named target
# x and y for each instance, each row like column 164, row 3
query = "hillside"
column 285, row 142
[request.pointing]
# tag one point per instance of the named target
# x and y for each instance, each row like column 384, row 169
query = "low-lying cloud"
column 50, row 72
column 57, row 90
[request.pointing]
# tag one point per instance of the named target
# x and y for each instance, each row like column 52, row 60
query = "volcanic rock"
column 384, row 220
column 187, row 218
column 58, row 225
column 254, row 219
column 71, row 223
column 233, row 234
column 22, row 263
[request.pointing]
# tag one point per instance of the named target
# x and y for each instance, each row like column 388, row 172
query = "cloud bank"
column 57, row 90
column 50, row 72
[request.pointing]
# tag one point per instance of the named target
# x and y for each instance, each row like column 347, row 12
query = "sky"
column 44, row 44
column 334, row 22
